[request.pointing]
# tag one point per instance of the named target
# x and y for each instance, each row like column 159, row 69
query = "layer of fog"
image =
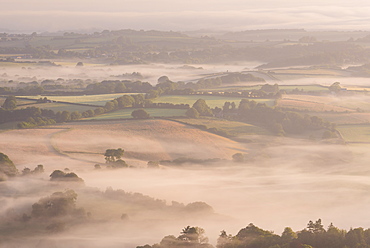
column 151, row 72
column 289, row 183
column 293, row 183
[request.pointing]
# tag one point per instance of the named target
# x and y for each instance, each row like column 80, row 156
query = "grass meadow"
column 59, row 107
column 234, row 128
column 85, row 99
column 355, row 133
column 126, row 113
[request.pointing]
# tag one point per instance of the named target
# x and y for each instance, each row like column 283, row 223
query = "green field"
column 19, row 101
column 212, row 101
column 59, row 107
column 355, row 133
column 345, row 118
column 85, row 99
column 304, row 87
column 12, row 64
column 126, row 113
column 234, row 128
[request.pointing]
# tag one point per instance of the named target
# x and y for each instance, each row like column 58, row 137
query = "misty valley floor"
column 286, row 181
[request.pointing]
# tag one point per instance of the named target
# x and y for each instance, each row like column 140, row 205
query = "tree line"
column 313, row 236
column 277, row 120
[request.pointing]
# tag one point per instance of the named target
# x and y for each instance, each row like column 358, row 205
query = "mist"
column 220, row 171
column 283, row 182
column 97, row 72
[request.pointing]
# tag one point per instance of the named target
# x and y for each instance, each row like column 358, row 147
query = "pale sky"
column 183, row 15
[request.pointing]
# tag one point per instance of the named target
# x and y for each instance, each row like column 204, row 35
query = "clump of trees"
column 10, row 103
column 7, row 167
column 202, row 108
column 61, row 176
column 140, row 114
column 335, row 87
column 27, row 171
column 189, row 237
column 111, row 155
column 238, row 157
column 113, row 158
column 58, row 204
column 192, row 113
column 278, row 120
column 56, row 212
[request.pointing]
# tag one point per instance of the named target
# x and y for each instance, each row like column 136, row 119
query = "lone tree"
column 140, row 114
column 203, row 109
column 111, row 155
column 10, row 103
column 335, row 87
column 238, row 157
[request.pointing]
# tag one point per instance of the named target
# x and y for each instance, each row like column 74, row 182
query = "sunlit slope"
column 144, row 140
column 30, row 147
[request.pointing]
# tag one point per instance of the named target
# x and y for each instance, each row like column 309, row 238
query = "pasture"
column 345, row 118
column 234, row 128
column 342, row 102
column 19, row 101
column 313, row 87
column 126, row 113
column 59, row 107
column 310, row 106
column 212, row 101
column 355, row 133
column 85, row 99
column 297, row 73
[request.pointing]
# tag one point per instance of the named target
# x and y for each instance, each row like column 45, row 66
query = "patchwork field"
column 212, row 101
